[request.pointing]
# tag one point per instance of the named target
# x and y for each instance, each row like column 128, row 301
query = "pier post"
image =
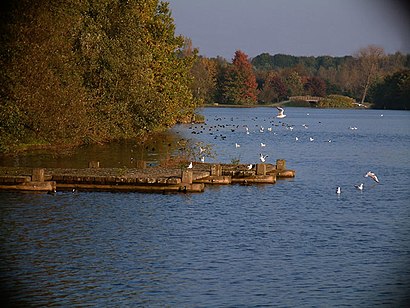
column 141, row 164
column 94, row 164
column 280, row 164
column 187, row 177
column 260, row 169
column 216, row 170
column 38, row 175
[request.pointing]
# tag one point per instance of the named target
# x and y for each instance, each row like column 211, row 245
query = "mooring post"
column 187, row 176
column 38, row 175
column 94, row 164
column 260, row 169
column 280, row 164
column 216, row 170
column 141, row 164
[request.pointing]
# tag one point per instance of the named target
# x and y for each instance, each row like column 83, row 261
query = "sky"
column 293, row 27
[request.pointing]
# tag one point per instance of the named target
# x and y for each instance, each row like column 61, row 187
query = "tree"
column 293, row 82
column 393, row 91
column 240, row 82
column 81, row 70
column 273, row 89
column 369, row 60
column 315, row 86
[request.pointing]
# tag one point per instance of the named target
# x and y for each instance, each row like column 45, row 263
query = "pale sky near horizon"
column 294, row 27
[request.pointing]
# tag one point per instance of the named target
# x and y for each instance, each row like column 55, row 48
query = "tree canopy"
column 83, row 70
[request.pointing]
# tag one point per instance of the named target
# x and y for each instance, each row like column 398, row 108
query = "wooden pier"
column 143, row 179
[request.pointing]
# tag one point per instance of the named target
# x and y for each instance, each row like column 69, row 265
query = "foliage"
column 315, row 86
column 90, row 70
column 240, row 85
column 393, row 92
column 273, row 90
column 336, row 101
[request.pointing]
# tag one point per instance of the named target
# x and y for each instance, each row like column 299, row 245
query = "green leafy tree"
column 393, row 92
column 90, row 70
column 293, row 83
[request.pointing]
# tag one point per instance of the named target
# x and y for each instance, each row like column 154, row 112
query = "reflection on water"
column 292, row 244
column 116, row 154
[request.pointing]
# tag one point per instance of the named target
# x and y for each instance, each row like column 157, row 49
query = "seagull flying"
column 281, row 113
column 359, row 187
column 372, row 175
column 262, row 157
column 263, row 144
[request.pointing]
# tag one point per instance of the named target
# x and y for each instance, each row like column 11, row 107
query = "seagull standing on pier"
column 372, row 175
column 190, row 165
column 281, row 113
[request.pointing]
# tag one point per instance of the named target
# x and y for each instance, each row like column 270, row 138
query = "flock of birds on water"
column 263, row 158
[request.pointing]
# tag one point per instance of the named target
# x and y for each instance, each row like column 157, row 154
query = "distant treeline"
column 369, row 76
column 83, row 71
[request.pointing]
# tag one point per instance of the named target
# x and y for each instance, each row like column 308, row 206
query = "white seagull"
column 338, row 190
column 281, row 113
column 372, row 175
column 359, row 187
column 237, row 145
column 190, row 165
column 263, row 144
column 250, row 166
column 262, row 157
column 202, row 159
column 311, row 139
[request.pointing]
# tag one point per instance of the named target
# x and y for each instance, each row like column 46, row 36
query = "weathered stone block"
column 37, row 175
column 94, row 164
column 280, row 164
column 261, row 169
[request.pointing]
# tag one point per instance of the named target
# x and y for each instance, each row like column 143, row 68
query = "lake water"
column 292, row 244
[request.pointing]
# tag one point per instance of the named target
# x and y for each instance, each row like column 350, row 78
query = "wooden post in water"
column 216, row 170
column 94, row 164
column 260, row 169
column 141, row 164
column 280, row 164
column 38, row 175
column 187, row 176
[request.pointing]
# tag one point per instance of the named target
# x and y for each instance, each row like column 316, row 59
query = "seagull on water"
column 359, row 187
column 262, row 157
column 372, row 175
column 281, row 113
column 237, row 145
column 263, row 144
column 311, row 139
column 338, row 190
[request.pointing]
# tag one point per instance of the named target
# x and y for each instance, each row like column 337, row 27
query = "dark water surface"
column 292, row 244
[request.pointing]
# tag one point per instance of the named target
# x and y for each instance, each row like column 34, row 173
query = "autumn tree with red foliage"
column 315, row 86
column 240, row 85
